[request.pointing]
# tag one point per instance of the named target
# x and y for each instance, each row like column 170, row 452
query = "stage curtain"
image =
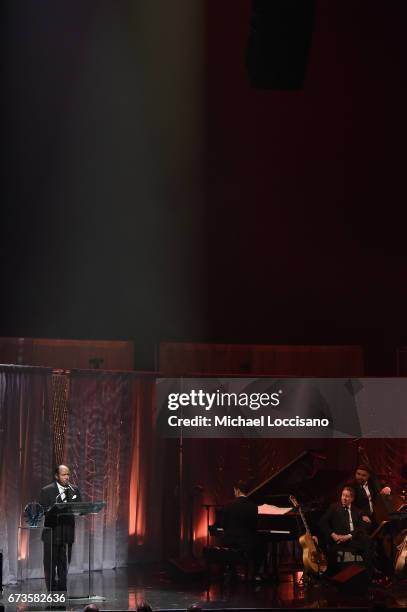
column 25, row 459
column 149, row 470
column 111, row 446
column 98, row 451
column 388, row 458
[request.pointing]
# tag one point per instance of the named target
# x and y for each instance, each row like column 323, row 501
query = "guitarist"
column 344, row 529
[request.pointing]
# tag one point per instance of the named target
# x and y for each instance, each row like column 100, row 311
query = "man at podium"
column 58, row 549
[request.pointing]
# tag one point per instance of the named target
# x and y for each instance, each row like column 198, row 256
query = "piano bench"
column 224, row 556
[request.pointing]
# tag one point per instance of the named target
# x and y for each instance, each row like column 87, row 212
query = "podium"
column 30, row 554
column 79, row 509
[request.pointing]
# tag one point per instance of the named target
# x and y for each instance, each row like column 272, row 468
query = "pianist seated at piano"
column 344, row 531
column 239, row 520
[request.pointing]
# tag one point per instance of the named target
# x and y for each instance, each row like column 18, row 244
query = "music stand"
column 81, row 509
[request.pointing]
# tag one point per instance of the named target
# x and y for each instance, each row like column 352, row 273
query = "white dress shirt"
column 62, row 493
column 369, row 496
column 350, row 518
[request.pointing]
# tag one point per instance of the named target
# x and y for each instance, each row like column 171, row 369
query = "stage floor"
column 125, row 587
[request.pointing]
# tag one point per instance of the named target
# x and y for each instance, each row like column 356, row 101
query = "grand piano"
column 306, row 478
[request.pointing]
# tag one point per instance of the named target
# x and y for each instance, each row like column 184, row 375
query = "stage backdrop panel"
column 114, row 455
column 68, row 354
column 25, row 457
column 183, row 359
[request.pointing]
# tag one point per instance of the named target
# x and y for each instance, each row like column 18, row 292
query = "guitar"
column 400, row 564
column 313, row 559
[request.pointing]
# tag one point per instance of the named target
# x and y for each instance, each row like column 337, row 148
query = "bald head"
column 91, row 608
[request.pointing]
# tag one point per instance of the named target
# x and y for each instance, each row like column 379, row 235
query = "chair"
column 227, row 558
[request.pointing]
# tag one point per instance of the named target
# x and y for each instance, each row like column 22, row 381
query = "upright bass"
column 383, row 506
column 400, row 563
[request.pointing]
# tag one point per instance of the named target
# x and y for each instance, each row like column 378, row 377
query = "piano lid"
column 297, row 475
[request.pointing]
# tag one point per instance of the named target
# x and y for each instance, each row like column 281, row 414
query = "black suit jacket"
column 361, row 500
column 63, row 527
column 335, row 521
column 239, row 521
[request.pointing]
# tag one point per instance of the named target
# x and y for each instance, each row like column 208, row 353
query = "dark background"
column 289, row 225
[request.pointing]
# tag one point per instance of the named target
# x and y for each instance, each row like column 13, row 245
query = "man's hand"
column 385, row 491
column 346, row 538
column 366, row 519
column 315, row 539
column 341, row 538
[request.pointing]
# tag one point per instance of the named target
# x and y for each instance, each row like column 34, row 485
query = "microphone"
column 65, row 487
column 73, row 490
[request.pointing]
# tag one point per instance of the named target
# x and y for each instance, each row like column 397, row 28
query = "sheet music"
column 270, row 509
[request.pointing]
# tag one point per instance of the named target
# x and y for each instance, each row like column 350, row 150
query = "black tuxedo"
column 336, row 520
column 361, row 500
column 57, row 547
